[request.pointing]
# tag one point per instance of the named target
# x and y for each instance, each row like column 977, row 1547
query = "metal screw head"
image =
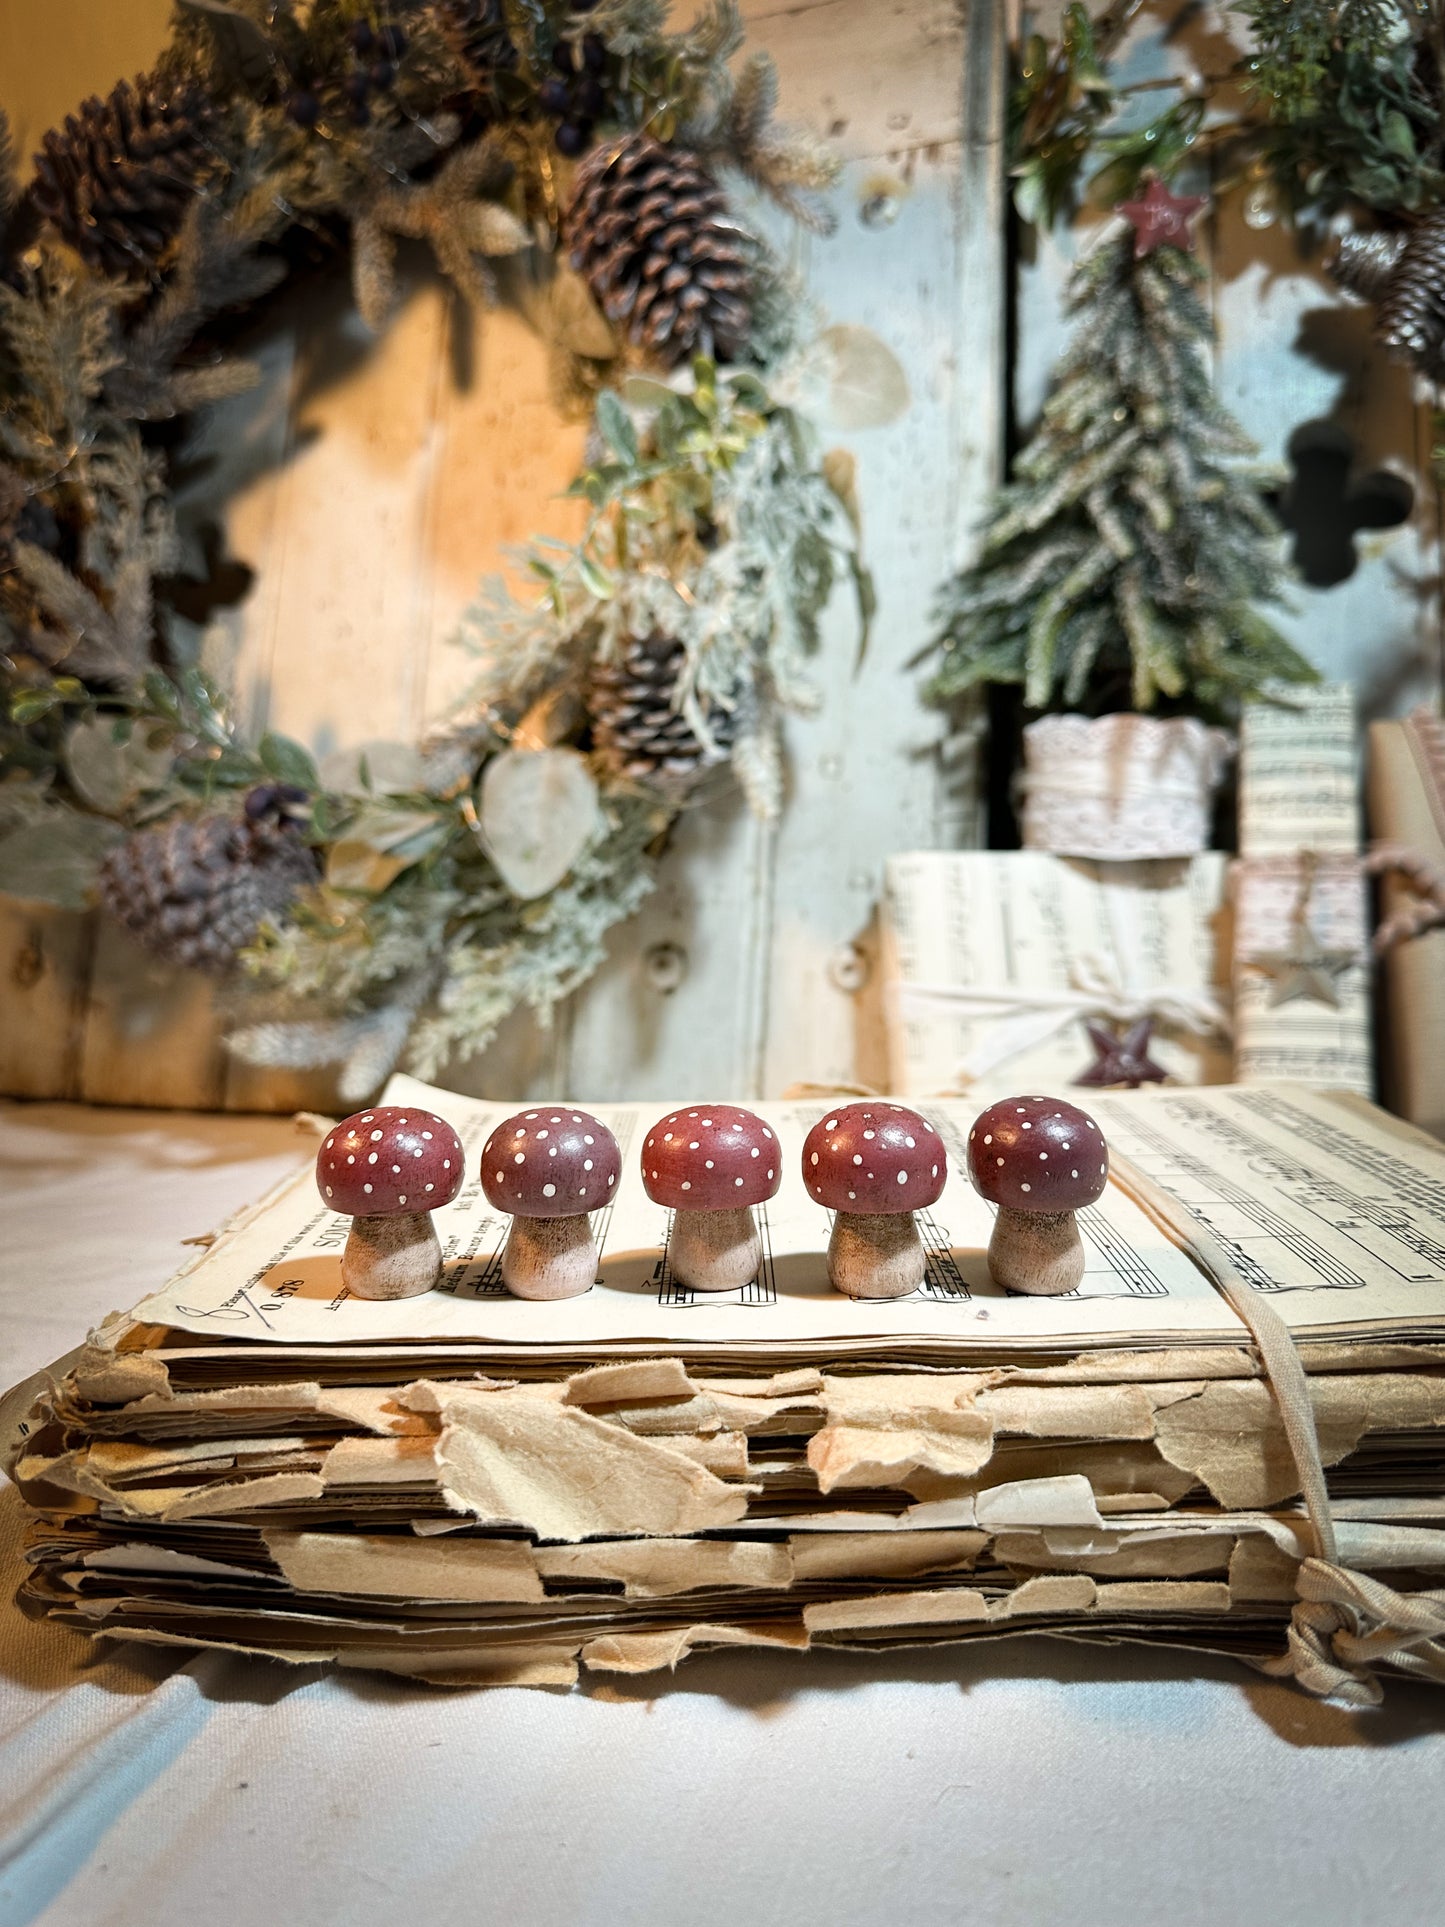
column 847, row 968
column 665, row 966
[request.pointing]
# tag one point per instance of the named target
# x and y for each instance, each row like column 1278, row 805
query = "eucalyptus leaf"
column 385, row 766
column 379, row 843
column 162, row 695
column 1399, row 136
column 353, row 864
column 646, row 391
column 110, row 768
column 596, row 579
column 288, row 762
column 615, row 425
column 846, row 377
column 55, row 861
column 539, row 811
column 867, row 387
column 29, row 705
column 412, row 833
column 840, row 472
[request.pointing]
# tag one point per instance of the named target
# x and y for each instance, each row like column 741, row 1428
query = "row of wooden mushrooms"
column 873, row 1164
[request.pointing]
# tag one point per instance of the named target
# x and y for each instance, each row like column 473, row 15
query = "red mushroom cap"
column 390, row 1159
column 1037, row 1154
column 874, row 1158
column 710, row 1157
column 550, row 1162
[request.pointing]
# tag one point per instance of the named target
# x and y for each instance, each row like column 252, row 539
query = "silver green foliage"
column 427, row 969
column 710, row 517
column 714, row 523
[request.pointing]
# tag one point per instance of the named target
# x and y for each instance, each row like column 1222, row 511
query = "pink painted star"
column 1161, row 218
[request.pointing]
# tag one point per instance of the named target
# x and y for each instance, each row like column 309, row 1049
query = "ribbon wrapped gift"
column 995, row 961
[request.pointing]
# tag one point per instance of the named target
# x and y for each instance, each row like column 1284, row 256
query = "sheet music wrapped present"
column 994, row 961
column 1299, row 806
column 1407, row 808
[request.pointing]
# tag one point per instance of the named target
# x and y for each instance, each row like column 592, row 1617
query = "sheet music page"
column 1299, row 773
column 1312, row 1198
column 989, row 920
column 1332, row 1211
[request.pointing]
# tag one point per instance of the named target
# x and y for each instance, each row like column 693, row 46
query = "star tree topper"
column 1161, row 219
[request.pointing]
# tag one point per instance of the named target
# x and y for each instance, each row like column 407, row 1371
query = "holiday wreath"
column 412, row 909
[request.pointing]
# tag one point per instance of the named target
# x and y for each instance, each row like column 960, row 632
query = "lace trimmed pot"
column 1121, row 787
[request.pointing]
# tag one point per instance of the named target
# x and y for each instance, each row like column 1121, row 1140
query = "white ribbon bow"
column 1027, row 1017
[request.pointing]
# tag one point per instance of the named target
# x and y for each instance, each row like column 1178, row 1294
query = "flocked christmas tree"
column 1122, row 565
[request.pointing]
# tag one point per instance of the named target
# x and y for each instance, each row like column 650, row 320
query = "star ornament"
column 1161, row 219
column 1121, row 1060
column 1304, row 969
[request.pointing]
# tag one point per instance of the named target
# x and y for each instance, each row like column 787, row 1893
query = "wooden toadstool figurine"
column 549, row 1169
column 710, row 1165
column 388, row 1169
column 1039, row 1160
column 874, row 1164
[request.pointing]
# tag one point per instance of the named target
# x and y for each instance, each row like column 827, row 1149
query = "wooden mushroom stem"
column 875, row 1254
column 715, row 1250
column 395, row 1256
column 550, row 1257
column 1039, row 1252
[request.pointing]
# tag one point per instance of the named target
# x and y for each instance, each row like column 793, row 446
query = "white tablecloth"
column 1020, row 1782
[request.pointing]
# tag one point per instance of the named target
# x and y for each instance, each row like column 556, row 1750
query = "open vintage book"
column 1323, row 1202
column 471, row 1489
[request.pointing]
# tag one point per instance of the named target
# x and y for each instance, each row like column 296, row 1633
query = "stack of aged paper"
column 468, row 1488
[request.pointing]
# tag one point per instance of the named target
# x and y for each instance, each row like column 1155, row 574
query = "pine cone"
column 1363, row 263
column 1411, row 321
column 117, row 180
column 1405, row 274
column 650, row 230
column 477, row 33
column 195, row 892
column 637, row 731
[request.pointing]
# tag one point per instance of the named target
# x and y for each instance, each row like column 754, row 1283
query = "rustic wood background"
column 370, row 484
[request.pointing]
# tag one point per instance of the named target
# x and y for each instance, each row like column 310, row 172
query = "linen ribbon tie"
column 1029, row 1016
column 1343, row 1623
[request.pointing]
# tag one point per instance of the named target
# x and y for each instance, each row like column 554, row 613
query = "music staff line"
column 1348, row 1213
